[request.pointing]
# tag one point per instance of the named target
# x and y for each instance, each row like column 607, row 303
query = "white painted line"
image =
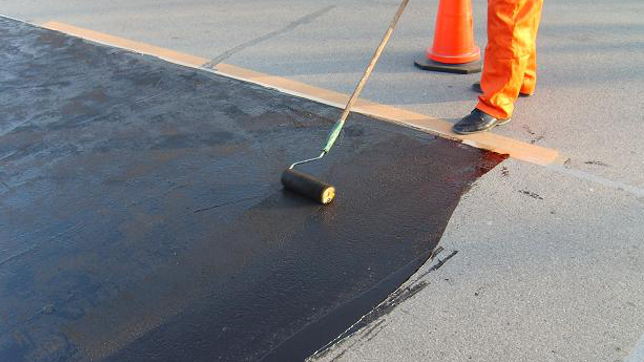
column 637, row 354
column 12, row 18
column 639, row 192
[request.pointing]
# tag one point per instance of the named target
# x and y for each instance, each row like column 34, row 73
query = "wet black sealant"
column 142, row 218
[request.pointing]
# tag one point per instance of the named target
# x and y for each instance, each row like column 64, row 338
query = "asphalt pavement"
column 550, row 261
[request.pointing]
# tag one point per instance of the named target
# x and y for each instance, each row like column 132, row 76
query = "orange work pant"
column 510, row 64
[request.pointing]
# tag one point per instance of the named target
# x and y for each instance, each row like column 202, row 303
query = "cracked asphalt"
column 550, row 261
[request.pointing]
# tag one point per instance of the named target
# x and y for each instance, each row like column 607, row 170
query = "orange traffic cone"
column 453, row 50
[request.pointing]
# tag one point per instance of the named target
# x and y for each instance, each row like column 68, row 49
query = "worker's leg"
column 530, row 77
column 510, row 62
column 512, row 28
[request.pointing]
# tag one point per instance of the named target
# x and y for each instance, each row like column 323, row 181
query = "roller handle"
column 333, row 135
column 337, row 128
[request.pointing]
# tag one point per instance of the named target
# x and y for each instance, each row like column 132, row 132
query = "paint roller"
column 307, row 185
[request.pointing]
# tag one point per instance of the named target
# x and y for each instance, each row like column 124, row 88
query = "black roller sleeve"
column 308, row 186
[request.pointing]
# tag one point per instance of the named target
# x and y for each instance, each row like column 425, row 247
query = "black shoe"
column 478, row 121
column 477, row 88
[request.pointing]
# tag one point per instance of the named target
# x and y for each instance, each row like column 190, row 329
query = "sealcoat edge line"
column 523, row 151
column 489, row 141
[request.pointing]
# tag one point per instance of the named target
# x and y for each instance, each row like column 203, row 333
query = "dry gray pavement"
column 550, row 263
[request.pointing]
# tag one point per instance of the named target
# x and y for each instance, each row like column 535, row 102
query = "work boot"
column 478, row 121
column 477, row 88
